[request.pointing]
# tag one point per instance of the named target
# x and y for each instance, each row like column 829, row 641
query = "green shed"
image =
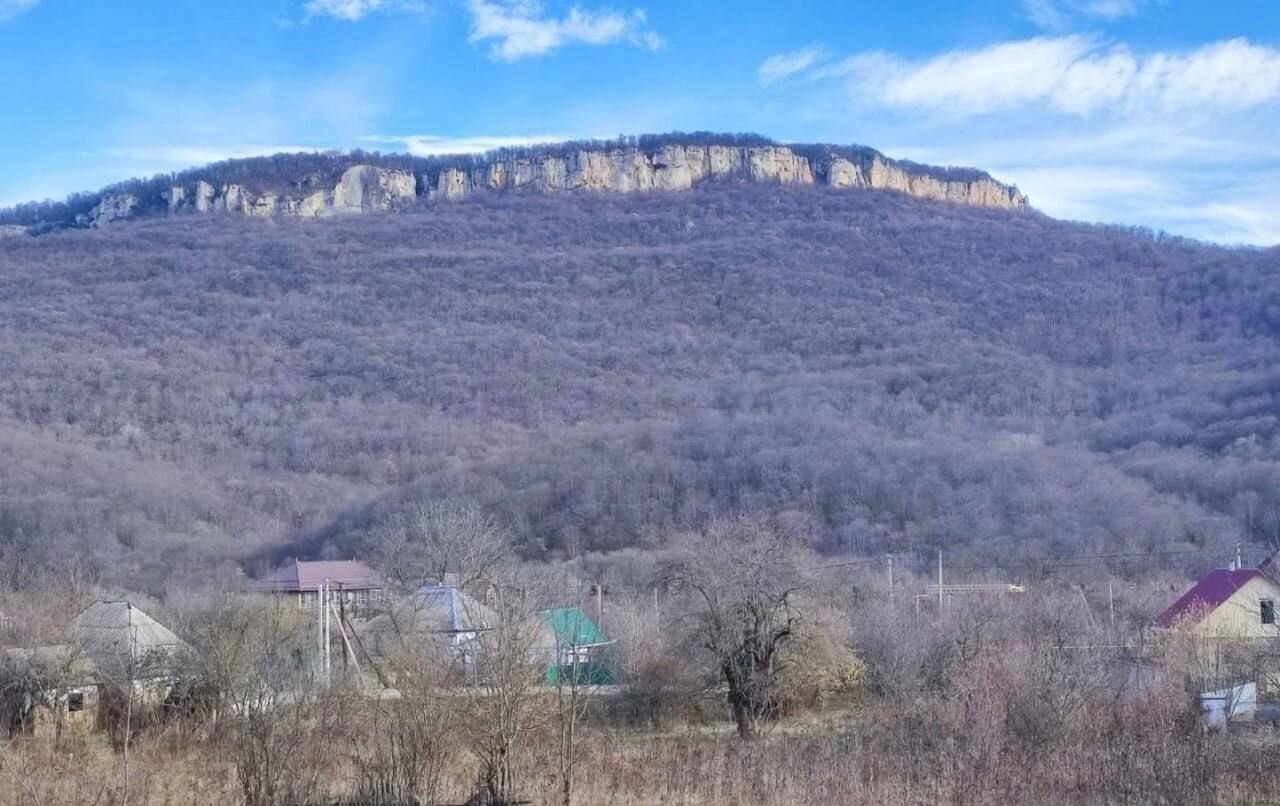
column 577, row 641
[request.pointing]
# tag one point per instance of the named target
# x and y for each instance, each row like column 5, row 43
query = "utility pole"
column 324, row 606
column 319, row 631
column 1111, row 605
column 890, row 581
column 940, row 600
column 600, row 605
column 350, row 650
column 1088, row 611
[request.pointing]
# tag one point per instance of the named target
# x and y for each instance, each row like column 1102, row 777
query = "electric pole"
column 1111, row 605
column 940, row 603
column 891, row 581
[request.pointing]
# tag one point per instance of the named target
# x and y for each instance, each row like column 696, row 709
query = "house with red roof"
column 353, row 586
column 1227, row 603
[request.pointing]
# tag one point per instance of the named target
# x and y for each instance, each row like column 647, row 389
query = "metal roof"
column 573, row 628
column 58, row 664
column 309, row 575
column 446, row 609
column 441, row 611
column 122, row 641
column 1205, row 596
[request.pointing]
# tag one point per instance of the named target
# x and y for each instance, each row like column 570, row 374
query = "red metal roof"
column 304, row 575
column 1213, row 589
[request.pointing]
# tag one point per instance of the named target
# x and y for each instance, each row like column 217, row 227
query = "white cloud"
column 1076, row 75
column 1212, row 206
column 784, row 65
column 349, row 10
column 425, row 145
column 356, row 10
column 1112, row 9
column 1192, row 179
column 1091, row 129
column 12, row 8
column 517, row 29
column 1059, row 14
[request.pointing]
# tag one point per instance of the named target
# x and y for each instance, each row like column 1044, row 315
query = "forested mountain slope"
column 180, row 395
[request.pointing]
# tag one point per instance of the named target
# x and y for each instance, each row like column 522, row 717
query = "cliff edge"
column 336, row 183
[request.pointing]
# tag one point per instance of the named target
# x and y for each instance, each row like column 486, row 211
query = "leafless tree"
column 41, row 658
column 576, row 679
column 260, row 677
column 510, row 663
column 408, row 742
column 442, row 540
column 742, row 577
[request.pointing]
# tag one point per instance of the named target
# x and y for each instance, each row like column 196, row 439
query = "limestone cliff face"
column 364, row 188
column 983, row 192
column 671, row 167
column 674, row 168
column 113, row 208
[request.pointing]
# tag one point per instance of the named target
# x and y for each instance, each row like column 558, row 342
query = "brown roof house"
column 355, row 588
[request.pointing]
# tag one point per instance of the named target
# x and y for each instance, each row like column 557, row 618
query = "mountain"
column 187, row 394
column 319, row 185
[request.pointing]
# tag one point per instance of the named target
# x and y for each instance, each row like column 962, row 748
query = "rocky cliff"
column 621, row 167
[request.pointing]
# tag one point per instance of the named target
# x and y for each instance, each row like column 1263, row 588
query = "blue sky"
column 1163, row 113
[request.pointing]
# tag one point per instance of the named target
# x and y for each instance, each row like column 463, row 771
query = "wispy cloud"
column 784, row 65
column 1091, row 129
column 517, row 29
column 425, row 145
column 356, row 10
column 12, row 8
column 1060, row 14
column 1076, row 75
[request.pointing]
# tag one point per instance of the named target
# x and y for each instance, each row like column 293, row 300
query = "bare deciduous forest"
column 705, row 404
column 181, row 396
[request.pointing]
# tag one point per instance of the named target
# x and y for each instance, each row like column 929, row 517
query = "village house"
column 1220, row 637
column 355, row 588
column 1227, row 603
column 439, row 613
column 112, row 647
column 446, row 616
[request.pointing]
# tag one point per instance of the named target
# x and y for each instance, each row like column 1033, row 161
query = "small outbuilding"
column 47, row 692
column 573, row 645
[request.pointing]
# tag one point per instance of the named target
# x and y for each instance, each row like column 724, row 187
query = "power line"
column 1059, row 562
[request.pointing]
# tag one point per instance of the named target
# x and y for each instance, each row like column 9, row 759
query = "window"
column 75, row 701
column 1268, row 611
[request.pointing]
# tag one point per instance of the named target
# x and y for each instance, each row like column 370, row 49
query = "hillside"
column 602, row 371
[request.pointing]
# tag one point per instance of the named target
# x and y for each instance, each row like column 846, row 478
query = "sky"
column 1159, row 113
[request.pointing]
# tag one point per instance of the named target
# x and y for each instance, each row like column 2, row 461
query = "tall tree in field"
column 741, row 578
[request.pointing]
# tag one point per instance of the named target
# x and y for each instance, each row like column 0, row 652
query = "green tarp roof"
column 573, row 628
